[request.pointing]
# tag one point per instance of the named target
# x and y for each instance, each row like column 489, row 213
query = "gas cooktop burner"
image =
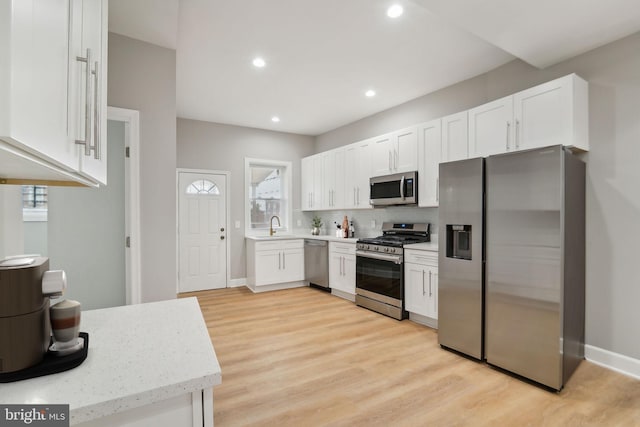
column 399, row 234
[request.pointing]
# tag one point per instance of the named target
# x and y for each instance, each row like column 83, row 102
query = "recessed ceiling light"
column 259, row 62
column 370, row 93
column 394, row 11
column 275, row 119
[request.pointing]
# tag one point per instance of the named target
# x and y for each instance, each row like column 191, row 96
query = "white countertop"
column 301, row 236
column 428, row 246
column 138, row 355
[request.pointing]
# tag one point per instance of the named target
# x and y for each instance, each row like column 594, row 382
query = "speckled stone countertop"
column 138, row 355
column 428, row 246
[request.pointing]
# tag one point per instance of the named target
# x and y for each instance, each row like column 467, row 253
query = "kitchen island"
column 148, row 365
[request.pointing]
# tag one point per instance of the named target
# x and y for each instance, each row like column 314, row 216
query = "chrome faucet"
column 271, row 230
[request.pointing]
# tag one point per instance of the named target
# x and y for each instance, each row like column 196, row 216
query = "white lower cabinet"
column 275, row 263
column 342, row 269
column 421, row 284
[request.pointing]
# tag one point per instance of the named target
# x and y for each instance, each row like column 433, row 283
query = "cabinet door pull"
column 284, row 261
column 87, row 106
column 430, row 294
column 279, row 261
column 508, row 132
column 395, row 159
column 358, row 191
column 423, row 291
column 97, row 111
column 354, row 196
column 517, row 134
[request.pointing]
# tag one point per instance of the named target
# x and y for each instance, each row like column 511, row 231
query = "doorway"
column 202, row 230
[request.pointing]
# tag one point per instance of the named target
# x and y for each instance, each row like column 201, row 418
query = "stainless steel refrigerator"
column 532, row 289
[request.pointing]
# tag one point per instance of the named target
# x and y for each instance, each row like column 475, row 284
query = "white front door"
column 202, row 231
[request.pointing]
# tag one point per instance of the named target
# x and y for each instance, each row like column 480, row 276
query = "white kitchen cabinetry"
column 491, row 128
column 454, row 137
column 311, row 177
column 429, row 140
column 88, row 85
column 421, row 285
column 342, row 269
column 395, row 152
column 277, row 262
column 356, row 175
column 37, row 88
column 333, row 170
column 553, row 113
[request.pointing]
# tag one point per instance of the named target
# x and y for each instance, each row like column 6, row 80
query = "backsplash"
column 362, row 219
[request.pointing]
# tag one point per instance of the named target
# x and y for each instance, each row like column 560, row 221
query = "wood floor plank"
column 302, row 357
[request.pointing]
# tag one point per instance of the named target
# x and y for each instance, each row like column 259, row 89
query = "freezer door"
column 523, row 264
column 460, row 258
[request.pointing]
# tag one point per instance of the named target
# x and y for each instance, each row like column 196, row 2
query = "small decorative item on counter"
column 338, row 229
column 352, row 230
column 345, row 227
column 316, row 223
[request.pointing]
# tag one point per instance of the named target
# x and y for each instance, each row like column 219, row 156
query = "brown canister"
column 25, row 330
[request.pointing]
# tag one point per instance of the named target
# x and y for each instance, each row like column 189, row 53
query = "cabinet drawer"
column 343, row 248
column 421, row 257
column 280, row 245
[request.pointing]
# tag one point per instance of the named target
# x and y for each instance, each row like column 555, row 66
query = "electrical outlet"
column 237, row 224
column 373, row 223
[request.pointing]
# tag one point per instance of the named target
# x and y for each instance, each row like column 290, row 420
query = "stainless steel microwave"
column 396, row 189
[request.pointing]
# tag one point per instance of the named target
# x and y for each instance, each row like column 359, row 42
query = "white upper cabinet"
column 311, row 177
column 333, row 171
column 429, row 140
column 454, row 137
column 395, row 152
column 88, row 85
column 491, row 128
column 356, row 175
column 38, row 88
column 553, row 113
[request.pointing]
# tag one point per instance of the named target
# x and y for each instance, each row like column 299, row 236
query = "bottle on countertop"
column 345, row 227
column 352, row 230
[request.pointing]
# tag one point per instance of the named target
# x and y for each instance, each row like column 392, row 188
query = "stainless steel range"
column 380, row 270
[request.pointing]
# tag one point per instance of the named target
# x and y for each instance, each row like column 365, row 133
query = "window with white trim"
column 34, row 202
column 268, row 194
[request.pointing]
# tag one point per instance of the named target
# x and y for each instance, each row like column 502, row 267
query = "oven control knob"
column 386, row 249
column 375, row 248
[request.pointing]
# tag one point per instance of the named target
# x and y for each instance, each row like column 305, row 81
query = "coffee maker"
column 26, row 284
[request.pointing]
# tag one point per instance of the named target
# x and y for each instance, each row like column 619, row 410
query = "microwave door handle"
column 402, row 188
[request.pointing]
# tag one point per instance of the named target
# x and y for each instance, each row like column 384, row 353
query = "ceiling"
column 321, row 56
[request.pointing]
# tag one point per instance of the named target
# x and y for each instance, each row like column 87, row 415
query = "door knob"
column 221, row 237
column 222, row 229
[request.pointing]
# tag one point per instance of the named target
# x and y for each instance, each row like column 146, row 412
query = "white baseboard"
column 424, row 320
column 343, row 295
column 276, row 287
column 616, row 362
column 236, row 283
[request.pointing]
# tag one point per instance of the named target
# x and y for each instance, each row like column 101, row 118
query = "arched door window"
column 203, row 186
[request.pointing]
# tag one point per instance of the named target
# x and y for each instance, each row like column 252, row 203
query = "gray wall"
column 613, row 200
column 142, row 77
column 35, row 238
column 204, row 145
column 86, row 233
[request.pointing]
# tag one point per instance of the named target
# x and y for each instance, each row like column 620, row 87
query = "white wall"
column 142, row 77
column 11, row 228
column 86, row 232
column 613, row 199
column 204, row 145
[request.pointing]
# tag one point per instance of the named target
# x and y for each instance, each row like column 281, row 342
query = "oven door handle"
column 396, row 259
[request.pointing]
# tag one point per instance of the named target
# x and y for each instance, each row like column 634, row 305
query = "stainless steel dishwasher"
column 316, row 263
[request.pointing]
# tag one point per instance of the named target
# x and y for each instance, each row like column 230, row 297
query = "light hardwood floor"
column 302, row 357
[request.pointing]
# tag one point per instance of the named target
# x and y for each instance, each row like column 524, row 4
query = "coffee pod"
column 65, row 323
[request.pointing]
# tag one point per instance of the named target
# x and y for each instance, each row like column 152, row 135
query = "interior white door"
column 202, row 231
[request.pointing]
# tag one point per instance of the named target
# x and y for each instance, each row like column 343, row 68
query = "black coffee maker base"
column 51, row 364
